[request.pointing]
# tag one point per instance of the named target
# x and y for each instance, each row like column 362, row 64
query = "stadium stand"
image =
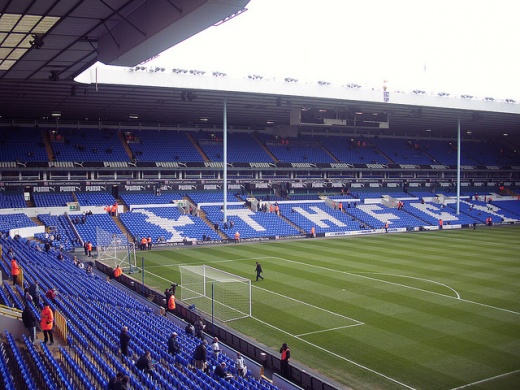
column 95, row 198
column 162, row 145
column 21, row 145
column 91, row 357
column 132, row 199
column 52, row 200
column 89, row 145
column 12, row 201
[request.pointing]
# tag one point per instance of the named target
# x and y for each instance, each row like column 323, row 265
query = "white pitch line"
column 328, row 330
column 413, row 277
column 337, row 356
column 400, row 285
column 308, row 304
column 485, row 380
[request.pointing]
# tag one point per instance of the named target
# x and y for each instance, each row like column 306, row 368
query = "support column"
column 224, row 138
column 458, row 165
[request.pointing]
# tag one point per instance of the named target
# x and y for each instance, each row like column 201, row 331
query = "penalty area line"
column 486, row 380
column 328, row 330
column 336, row 355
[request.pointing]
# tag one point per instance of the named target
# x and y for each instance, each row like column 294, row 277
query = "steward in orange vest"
column 15, row 271
column 46, row 323
column 117, row 272
column 171, row 303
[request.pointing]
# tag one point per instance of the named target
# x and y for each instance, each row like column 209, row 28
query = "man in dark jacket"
column 115, row 381
column 200, row 355
column 29, row 321
column 124, row 339
column 173, row 345
column 34, row 290
column 199, row 328
column 144, row 363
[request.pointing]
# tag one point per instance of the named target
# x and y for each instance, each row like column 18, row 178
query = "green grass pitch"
column 426, row 310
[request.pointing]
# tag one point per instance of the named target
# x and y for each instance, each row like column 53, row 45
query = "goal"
column 114, row 249
column 225, row 296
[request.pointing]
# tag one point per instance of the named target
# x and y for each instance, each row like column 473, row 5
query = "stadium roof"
column 45, row 45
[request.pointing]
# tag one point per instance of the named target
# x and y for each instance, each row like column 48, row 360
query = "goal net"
column 225, row 296
column 114, row 249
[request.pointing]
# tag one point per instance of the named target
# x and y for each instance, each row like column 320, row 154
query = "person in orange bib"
column 171, row 304
column 15, row 271
column 237, row 237
column 46, row 323
column 117, row 272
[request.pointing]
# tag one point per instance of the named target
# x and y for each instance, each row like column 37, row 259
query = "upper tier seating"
column 89, row 145
column 164, row 145
column 401, row 151
column 211, row 197
column 12, row 201
column 22, row 144
column 132, row 199
column 347, row 150
column 241, row 147
column 301, row 149
column 95, row 198
column 52, row 200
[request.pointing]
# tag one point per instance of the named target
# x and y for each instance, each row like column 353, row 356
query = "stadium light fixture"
column 133, row 116
column 323, row 82
column 37, row 41
column 290, row 80
column 56, row 114
column 510, row 101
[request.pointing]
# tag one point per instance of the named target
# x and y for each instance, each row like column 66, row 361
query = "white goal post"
column 114, row 249
column 223, row 295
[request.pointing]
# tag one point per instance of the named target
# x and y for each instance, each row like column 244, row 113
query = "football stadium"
column 166, row 227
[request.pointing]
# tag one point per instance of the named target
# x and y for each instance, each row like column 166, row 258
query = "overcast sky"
column 457, row 46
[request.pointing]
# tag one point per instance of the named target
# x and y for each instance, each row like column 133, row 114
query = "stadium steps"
column 30, row 203
column 48, row 145
column 122, row 227
column 284, row 218
column 125, row 144
column 203, row 216
column 330, row 154
column 197, row 146
column 37, row 221
column 264, row 148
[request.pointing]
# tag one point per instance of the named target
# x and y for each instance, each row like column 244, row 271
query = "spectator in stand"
column 200, row 355
column 60, row 256
column 114, row 210
column 144, row 363
column 51, row 294
column 124, row 383
column 15, row 271
column 85, row 247
column 240, row 365
column 34, row 290
column 173, row 345
column 220, row 371
column 46, row 323
column 115, row 382
column 124, row 341
column 199, row 328
column 29, row 321
column 215, row 348
column 27, row 295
